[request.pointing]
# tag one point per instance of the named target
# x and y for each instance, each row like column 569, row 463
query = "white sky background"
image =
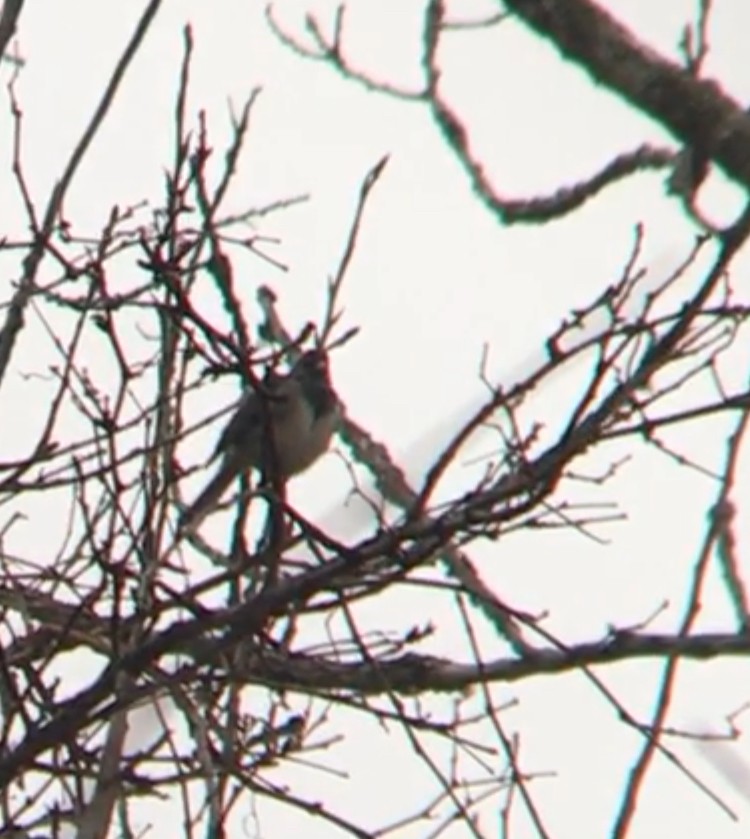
column 435, row 279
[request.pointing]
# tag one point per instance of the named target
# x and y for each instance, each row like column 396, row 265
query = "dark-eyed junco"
column 280, row 430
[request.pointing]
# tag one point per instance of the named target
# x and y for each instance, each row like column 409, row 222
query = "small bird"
column 281, row 431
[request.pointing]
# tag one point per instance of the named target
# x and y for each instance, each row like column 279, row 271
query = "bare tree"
column 248, row 651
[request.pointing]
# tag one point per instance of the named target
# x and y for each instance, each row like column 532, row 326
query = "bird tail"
column 207, row 500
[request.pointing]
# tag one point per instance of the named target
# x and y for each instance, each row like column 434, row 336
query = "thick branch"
column 413, row 673
column 9, row 22
column 697, row 112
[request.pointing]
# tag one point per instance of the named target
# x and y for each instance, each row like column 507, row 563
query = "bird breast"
column 302, row 437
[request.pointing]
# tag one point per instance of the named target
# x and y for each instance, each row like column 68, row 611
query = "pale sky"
column 435, row 279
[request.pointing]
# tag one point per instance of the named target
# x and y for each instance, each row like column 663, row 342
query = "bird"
column 279, row 430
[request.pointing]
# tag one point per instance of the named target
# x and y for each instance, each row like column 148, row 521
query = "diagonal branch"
column 695, row 111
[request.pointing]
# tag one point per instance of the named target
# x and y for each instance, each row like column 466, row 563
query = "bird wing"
column 243, row 423
column 244, row 431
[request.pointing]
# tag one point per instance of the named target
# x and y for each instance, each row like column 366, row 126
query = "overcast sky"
column 435, row 280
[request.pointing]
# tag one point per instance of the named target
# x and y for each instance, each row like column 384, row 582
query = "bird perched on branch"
column 280, row 430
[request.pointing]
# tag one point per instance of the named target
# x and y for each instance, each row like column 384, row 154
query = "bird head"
column 312, row 366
